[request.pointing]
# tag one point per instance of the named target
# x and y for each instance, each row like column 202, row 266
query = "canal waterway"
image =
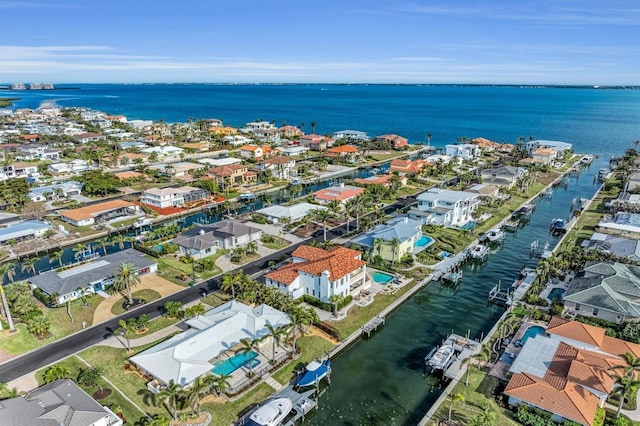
column 379, row 381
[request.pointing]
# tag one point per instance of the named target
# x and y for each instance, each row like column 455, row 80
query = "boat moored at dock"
column 272, row 413
column 558, row 226
column 479, row 252
column 493, row 236
column 314, row 372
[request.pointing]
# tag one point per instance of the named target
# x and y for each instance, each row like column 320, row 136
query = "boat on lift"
column 248, row 196
column 441, row 358
column 479, row 252
column 272, row 413
column 314, row 372
column 557, row 226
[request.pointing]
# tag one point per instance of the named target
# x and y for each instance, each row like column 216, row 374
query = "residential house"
column 164, row 153
column 23, row 231
column 205, row 240
column 217, row 162
column 233, row 175
column 281, row 167
column 485, row 191
column 60, row 402
column 130, row 175
column 176, row 169
column 348, row 153
column 613, row 244
column 71, row 167
column 91, row 277
column 19, row 170
column 633, row 181
column 485, row 144
column 316, row 142
column 607, row 290
column 197, row 146
column 394, row 141
column 174, row 197
column 131, row 158
column 567, row 370
column 321, row 273
column 294, row 150
column 504, row 176
column 445, row 207
column 295, row 212
column 223, row 131
column 88, row 137
column 98, row 213
column 559, row 147
column 237, row 140
column 394, row 239
column 33, row 152
column 191, row 354
column 621, row 223
column 407, row 167
column 56, row 191
column 467, row 151
column 342, row 193
column 351, row 135
column 290, row 131
column 543, row 155
column 255, row 152
column 383, row 180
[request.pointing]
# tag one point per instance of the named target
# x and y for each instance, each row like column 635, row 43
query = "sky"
column 591, row 42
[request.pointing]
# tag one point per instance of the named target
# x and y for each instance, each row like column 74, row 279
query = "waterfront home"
column 23, row 230
column 467, row 151
column 485, row 191
column 232, row 175
column 346, row 153
column 341, row 192
column 615, row 245
column 504, row 176
column 90, row 277
column 485, row 144
column 290, row 132
column 294, row 150
column 60, row 402
column 98, row 213
column 174, row 197
column 567, row 370
column 559, row 147
column 237, row 140
column 633, row 181
column 407, row 167
column 205, row 240
column 128, row 158
column 607, row 290
column 19, row 170
column 383, row 180
column 294, row 212
column 190, row 354
column 223, row 131
column 543, row 156
column 394, row 141
column 217, row 162
column 34, row 152
column 165, row 152
column 445, row 207
column 321, row 273
column 392, row 240
column 87, row 137
column 71, row 167
column 130, row 175
column 316, row 142
column 281, row 167
column 176, row 169
column 622, row 223
column 351, row 135
column 55, row 191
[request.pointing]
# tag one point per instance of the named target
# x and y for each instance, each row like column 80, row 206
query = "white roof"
column 295, row 212
column 188, row 355
column 220, row 161
column 438, row 194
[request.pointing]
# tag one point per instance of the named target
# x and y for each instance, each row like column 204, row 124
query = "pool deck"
column 501, row 368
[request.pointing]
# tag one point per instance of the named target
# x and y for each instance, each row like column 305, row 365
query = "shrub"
column 314, row 301
column 329, row 329
column 41, row 296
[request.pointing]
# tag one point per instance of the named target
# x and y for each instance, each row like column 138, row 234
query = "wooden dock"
column 464, row 348
column 373, row 325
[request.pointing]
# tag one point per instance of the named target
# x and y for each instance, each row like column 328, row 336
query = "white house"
column 55, row 191
column 559, row 147
column 445, row 207
column 173, row 197
column 166, row 152
column 321, row 273
column 467, row 151
column 281, row 167
column 73, row 166
column 205, row 240
column 351, row 135
column 237, row 140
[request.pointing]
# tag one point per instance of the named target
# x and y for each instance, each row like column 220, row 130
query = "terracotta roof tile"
column 93, row 210
column 575, row 330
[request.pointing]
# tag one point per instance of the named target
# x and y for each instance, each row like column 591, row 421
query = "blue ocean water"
column 600, row 121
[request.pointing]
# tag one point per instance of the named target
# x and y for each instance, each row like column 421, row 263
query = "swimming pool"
column 532, row 331
column 468, row 226
column 556, row 293
column 381, row 277
column 423, row 241
column 230, row 365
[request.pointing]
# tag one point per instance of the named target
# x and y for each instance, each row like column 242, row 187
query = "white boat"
column 511, row 225
column 142, row 222
column 586, row 160
column 495, row 235
column 602, row 174
column 442, row 358
column 479, row 252
column 272, row 413
column 248, row 196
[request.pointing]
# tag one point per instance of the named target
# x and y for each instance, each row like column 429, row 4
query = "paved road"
column 81, row 340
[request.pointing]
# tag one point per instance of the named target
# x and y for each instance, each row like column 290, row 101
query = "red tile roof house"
column 344, row 152
column 568, row 371
column 316, row 142
column 407, row 166
column 379, row 180
column 321, row 273
column 397, row 142
column 342, row 193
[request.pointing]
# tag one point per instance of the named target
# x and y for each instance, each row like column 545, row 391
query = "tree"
column 127, row 328
column 29, row 264
column 248, row 347
column 395, row 243
column 297, row 325
column 142, row 322
column 378, row 243
column 195, row 392
column 221, row 384
column 321, row 215
column 126, row 278
column 10, row 271
column 173, row 308
column 99, row 183
column 275, row 333
column 120, row 241
column 228, row 283
column 4, row 270
column 251, row 247
column 169, row 395
column 79, row 250
column 103, row 242
column 457, row 398
column 88, row 376
column 56, row 372
column 623, row 386
column 56, row 256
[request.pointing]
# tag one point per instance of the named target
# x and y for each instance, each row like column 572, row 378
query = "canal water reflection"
column 379, row 381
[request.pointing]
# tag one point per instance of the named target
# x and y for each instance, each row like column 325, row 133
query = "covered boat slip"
column 461, row 349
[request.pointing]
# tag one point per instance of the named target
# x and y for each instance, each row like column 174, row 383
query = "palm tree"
column 127, row 328
column 297, row 326
column 10, row 271
column 377, row 245
column 5, row 305
column 79, row 250
column 395, row 243
column 249, row 346
column 221, row 383
column 229, row 283
column 486, row 418
column 103, row 242
column 56, row 372
column 321, row 215
column 56, row 256
column 125, row 279
column 169, row 395
column 275, row 333
column 29, row 264
column 623, row 386
column 251, row 247
column 195, row 392
column 120, row 240
column 457, row 398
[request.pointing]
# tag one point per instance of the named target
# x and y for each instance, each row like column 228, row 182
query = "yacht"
column 314, row 372
column 441, row 358
column 479, row 252
column 272, row 413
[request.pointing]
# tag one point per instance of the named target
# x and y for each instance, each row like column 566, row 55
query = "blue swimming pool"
column 532, row 331
column 468, row 226
column 423, row 241
column 381, row 277
column 230, row 365
column 557, row 293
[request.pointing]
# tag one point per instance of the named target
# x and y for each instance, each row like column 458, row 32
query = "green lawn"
column 21, row 341
column 228, row 413
column 170, row 268
column 477, row 396
column 311, row 347
column 146, row 294
column 277, row 244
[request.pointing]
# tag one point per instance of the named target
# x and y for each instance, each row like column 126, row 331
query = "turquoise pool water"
column 381, row 277
column 557, row 293
column 423, row 241
column 532, row 331
column 468, row 226
column 230, row 365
